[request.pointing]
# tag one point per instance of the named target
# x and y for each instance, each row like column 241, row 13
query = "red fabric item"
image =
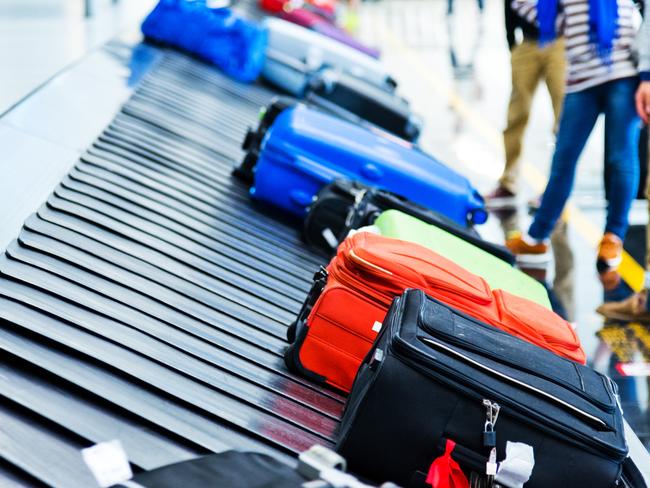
column 328, row 7
column 272, row 5
column 370, row 270
column 445, row 472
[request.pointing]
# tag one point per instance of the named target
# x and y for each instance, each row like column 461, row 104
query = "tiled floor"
column 39, row 38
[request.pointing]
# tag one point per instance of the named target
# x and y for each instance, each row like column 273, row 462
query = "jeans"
column 581, row 110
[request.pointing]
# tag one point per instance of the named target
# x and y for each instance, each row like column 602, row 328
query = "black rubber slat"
column 242, row 277
column 96, row 421
column 220, row 226
column 235, row 350
column 182, row 385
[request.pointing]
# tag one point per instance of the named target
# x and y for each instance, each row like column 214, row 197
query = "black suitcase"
column 319, row 467
column 233, row 469
column 345, row 205
column 350, row 97
column 326, row 223
column 433, row 374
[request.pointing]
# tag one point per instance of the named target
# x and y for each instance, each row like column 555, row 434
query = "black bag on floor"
column 233, row 469
column 345, row 205
column 343, row 95
column 434, row 374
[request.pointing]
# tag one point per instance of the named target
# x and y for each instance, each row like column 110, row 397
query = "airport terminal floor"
column 144, row 298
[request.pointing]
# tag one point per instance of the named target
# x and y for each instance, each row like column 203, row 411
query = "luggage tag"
column 108, row 463
column 330, row 238
column 516, row 469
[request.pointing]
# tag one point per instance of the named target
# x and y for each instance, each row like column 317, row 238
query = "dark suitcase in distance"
column 343, row 94
column 426, row 380
column 345, row 205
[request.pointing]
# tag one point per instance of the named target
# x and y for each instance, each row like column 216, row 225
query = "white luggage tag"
column 517, row 467
column 108, row 463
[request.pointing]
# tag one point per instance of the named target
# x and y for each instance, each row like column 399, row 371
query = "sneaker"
column 500, row 198
column 610, row 253
column 632, row 309
column 529, row 253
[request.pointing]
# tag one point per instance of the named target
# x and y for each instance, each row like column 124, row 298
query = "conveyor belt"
column 148, row 298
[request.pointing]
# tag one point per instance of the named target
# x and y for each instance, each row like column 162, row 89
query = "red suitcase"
column 350, row 302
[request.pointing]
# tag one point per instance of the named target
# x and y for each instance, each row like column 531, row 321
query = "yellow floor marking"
column 631, row 271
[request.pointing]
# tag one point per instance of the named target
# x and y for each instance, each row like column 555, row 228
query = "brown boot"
column 610, row 253
column 632, row 309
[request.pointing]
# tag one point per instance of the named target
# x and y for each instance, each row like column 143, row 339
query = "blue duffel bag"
column 297, row 150
column 217, row 35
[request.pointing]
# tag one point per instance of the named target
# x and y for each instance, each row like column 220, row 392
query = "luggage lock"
column 490, row 439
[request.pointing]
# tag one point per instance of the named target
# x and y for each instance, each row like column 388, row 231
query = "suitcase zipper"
column 359, row 287
column 581, row 393
column 525, row 416
column 373, row 267
column 590, row 418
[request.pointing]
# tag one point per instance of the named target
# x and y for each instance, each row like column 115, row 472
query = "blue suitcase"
column 300, row 150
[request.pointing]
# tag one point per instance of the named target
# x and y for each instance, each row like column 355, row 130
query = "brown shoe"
column 610, row 253
column 527, row 254
column 632, row 309
column 500, row 199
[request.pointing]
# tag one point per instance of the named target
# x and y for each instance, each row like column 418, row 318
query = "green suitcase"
column 498, row 273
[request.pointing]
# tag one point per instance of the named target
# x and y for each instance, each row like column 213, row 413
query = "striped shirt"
column 585, row 68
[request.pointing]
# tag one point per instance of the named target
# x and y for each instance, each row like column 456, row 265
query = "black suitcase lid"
column 530, row 381
column 326, row 80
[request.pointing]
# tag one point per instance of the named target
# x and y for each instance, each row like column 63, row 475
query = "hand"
column 643, row 101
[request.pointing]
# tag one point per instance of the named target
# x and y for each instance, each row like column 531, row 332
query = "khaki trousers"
column 530, row 65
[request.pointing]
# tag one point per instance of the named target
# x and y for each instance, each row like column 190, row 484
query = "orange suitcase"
column 344, row 312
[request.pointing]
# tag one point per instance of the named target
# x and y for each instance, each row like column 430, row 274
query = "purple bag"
column 318, row 24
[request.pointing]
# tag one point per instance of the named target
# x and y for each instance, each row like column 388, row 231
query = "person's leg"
column 555, row 74
column 563, row 283
column 636, row 307
column 579, row 115
column 621, row 152
column 526, row 73
column 647, row 227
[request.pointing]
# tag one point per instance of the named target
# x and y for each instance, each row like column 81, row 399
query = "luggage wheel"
column 291, row 332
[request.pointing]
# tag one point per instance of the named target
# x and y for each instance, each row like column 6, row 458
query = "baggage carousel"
column 148, row 298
